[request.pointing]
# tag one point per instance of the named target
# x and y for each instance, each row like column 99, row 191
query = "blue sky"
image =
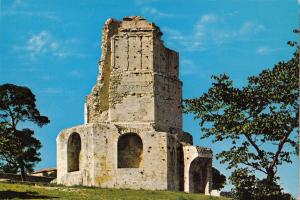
column 53, row 48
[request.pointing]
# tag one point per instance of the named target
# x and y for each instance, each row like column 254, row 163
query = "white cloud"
column 208, row 31
column 188, row 68
column 263, row 50
column 173, row 34
column 39, row 43
column 147, row 8
column 200, row 28
column 17, row 3
column 75, row 74
column 48, row 15
column 144, row 2
column 248, row 27
column 54, row 45
column 188, row 42
column 208, row 18
column 245, row 28
column 299, row 2
column 44, row 43
column 20, row 7
column 193, row 41
column 155, row 13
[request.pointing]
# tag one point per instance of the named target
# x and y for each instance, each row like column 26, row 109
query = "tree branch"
column 279, row 149
column 12, row 118
column 260, row 152
column 255, row 167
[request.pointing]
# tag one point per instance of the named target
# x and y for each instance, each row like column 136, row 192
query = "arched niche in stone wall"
column 130, row 151
column 74, row 148
column 198, row 175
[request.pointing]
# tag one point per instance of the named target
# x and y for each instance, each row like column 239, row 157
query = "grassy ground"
column 23, row 191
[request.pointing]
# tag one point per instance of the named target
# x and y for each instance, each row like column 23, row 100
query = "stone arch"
column 198, row 175
column 74, row 148
column 130, row 151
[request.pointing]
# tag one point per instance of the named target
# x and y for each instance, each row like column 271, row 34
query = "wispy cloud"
column 41, row 43
column 200, row 29
column 18, row 7
column 247, row 29
column 249, row 26
column 189, row 68
column 75, row 73
column 208, row 18
column 208, row 30
column 144, row 2
column 263, row 50
column 155, row 12
column 187, row 42
column 48, row 15
column 17, row 3
column 193, row 41
column 44, row 43
column 148, row 8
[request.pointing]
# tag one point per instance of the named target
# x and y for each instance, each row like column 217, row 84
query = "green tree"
column 259, row 119
column 218, row 179
column 18, row 148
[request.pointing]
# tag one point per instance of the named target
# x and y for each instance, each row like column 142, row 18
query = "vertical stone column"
column 208, row 186
column 85, row 114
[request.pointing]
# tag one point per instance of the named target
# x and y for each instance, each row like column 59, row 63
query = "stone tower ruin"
column 132, row 136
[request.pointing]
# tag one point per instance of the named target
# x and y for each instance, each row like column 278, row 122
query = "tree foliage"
column 247, row 186
column 218, row 179
column 259, row 119
column 18, row 147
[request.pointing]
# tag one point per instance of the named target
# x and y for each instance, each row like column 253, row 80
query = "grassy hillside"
column 23, row 191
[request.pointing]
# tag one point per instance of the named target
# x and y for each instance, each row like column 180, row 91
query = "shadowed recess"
column 130, row 151
column 74, row 148
column 198, row 175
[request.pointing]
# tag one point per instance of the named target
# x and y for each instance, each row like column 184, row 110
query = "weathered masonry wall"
column 197, row 170
column 131, row 87
column 139, row 77
column 97, row 103
column 132, row 137
column 99, row 162
column 175, row 159
column 167, row 88
column 83, row 175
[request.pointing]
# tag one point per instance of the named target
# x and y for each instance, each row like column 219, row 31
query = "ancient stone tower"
column 132, row 136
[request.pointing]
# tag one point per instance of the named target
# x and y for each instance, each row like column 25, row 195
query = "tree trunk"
column 23, row 174
column 270, row 175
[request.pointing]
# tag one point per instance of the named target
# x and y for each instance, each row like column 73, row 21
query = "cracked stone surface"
column 132, row 136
